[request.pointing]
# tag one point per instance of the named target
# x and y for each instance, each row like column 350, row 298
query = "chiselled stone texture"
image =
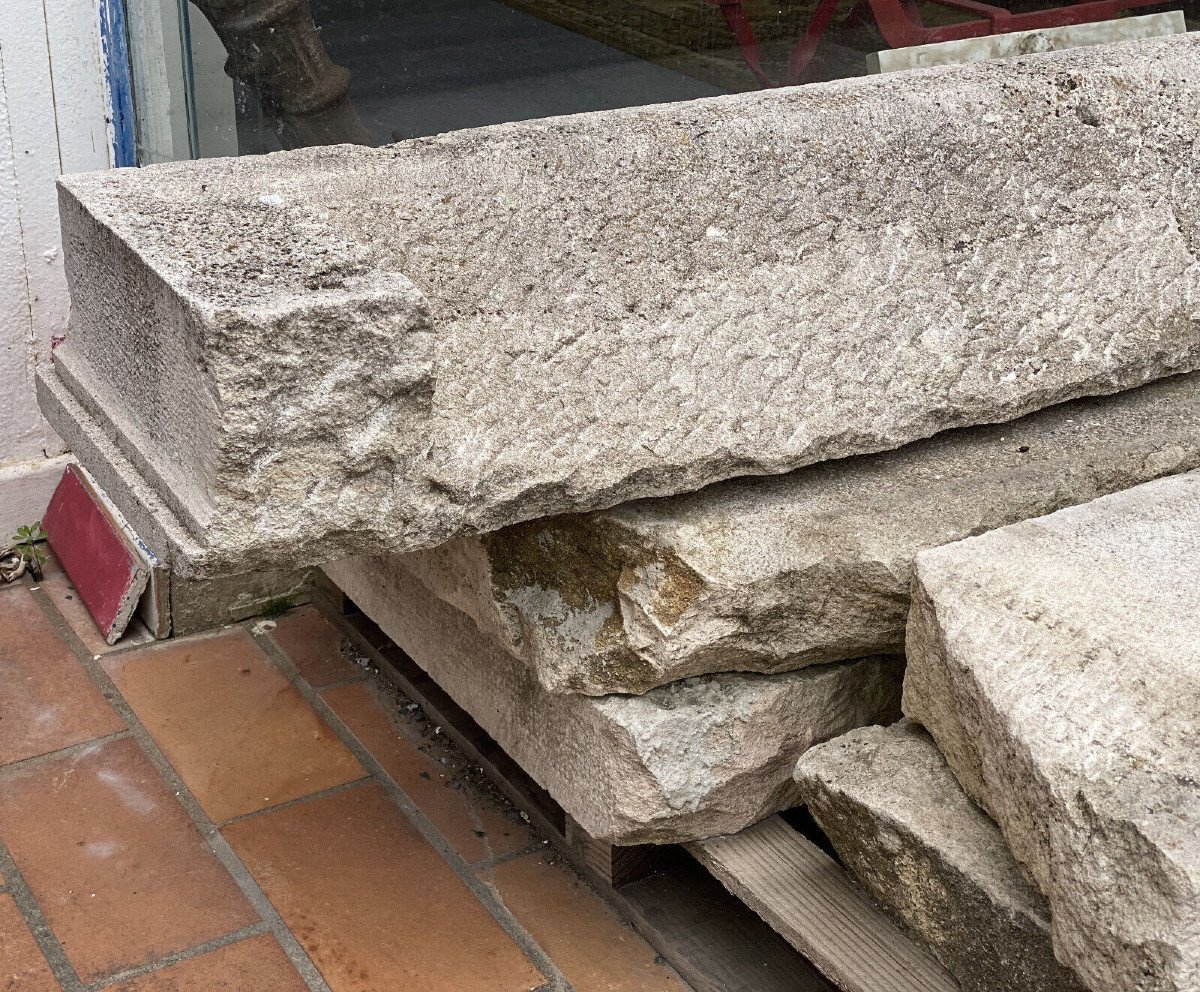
column 348, row 350
column 1056, row 663
column 901, row 823
column 696, row 758
column 771, row 574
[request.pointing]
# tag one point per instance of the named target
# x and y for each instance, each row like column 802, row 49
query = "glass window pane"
column 221, row 77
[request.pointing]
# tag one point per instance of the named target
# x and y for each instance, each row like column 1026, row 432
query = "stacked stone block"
column 1052, row 803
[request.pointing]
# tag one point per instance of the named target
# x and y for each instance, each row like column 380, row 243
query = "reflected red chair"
column 899, row 21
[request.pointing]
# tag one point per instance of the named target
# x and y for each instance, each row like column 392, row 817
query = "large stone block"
column 1056, row 663
column 901, row 823
column 696, row 758
column 346, row 350
column 771, row 574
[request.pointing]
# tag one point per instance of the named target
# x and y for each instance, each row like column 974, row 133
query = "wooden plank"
column 714, row 942
column 81, row 100
column 809, row 900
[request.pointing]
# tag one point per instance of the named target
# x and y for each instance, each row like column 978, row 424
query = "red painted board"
column 153, row 608
column 106, row 572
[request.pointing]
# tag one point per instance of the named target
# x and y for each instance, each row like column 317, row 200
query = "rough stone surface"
column 696, row 758
column 348, row 350
column 771, row 574
column 901, row 823
column 1057, row 665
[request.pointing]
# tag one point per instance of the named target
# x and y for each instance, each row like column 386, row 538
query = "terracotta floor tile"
column 254, row 965
column 375, row 906
column 58, row 587
column 314, row 646
column 460, row 816
column 22, row 966
column 47, row 701
column 595, row 951
column 115, row 864
column 241, row 737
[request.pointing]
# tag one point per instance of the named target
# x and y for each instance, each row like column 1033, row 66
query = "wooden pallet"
column 808, row 899
column 765, row 910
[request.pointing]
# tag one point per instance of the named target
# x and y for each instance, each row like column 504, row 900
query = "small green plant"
column 27, row 544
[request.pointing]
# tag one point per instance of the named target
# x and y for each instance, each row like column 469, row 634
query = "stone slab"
column 901, row 823
column 696, row 758
column 1055, row 663
column 198, row 605
column 771, row 574
column 348, row 350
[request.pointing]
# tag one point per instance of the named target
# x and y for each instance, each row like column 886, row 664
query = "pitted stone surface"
column 346, row 350
column 1055, row 663
column 901, row 823
column 696, row 758
column 772, row 574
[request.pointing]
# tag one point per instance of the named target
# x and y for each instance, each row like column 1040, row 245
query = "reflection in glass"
column 259, row 75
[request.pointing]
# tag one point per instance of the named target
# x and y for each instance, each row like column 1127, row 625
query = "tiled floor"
column 251, row 810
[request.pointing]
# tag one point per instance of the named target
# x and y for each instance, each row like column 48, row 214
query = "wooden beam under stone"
column 811, row 902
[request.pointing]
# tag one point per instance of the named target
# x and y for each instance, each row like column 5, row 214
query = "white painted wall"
column 53, row 119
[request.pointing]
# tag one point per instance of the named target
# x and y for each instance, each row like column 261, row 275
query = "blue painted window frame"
column 114, row 39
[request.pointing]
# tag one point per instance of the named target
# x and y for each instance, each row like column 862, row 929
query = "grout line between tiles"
column 333, row 790
column 115, row 650
column 38, row 925
column 62, row 752
column 212, row 836
column 168, row 960
column 349, row 680
column 486, row 864
column 485, row 894
column 148, row 646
